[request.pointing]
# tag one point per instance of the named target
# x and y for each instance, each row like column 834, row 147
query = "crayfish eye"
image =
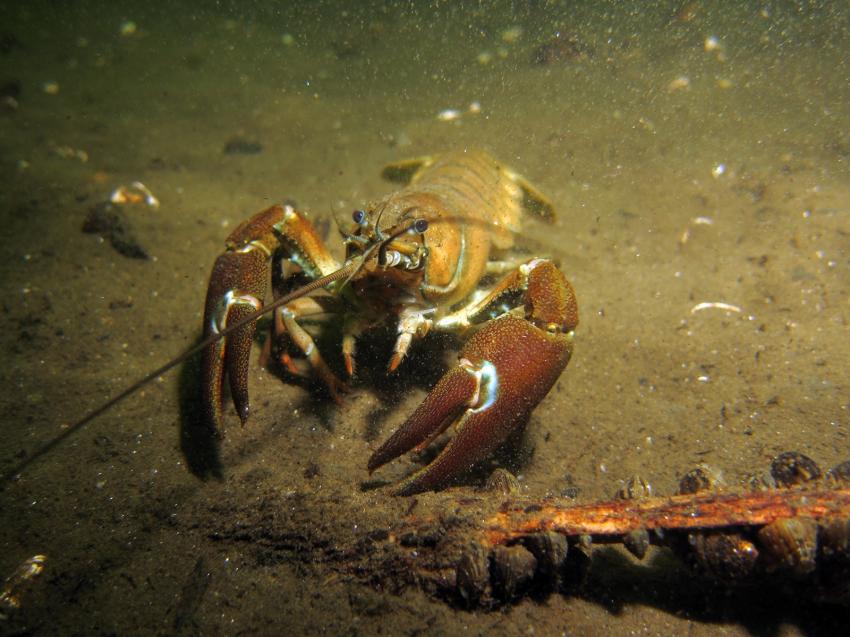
column 420, row 225
column 359, row 217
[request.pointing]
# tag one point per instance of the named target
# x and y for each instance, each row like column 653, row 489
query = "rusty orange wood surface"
column 701, row 511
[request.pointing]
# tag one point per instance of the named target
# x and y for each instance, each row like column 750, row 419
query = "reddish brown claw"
column 504, row 371
column 237, row 287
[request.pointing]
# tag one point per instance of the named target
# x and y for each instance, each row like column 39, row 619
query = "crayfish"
column 419, row 257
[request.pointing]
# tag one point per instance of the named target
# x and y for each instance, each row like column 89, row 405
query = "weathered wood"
column 706, row 510
column 451, row 544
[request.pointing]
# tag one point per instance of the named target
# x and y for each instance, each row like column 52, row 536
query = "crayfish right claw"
column 236, row 289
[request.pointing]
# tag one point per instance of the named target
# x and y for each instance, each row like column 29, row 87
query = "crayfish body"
column 418, row 256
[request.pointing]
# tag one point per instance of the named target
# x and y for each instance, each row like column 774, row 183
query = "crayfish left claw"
column 505, row 370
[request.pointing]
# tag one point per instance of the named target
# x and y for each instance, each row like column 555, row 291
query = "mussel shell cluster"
column 812, row 554
column 795, row 548
column 541, row 562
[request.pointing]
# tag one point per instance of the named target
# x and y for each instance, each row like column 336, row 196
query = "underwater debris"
column 680, row 83
column 487, row 549
column 67, row 152
column 18, row 583
column 562, row 48
column 715, row 305
column 194, row 589
column 448, row 115
column 137, row 192
column 242, row 146
column 108, row 221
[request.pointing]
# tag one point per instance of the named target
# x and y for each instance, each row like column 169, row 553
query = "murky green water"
column 695, row 152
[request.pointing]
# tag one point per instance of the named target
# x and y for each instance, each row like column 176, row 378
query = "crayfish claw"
column 237, row 359
column 449, row 397
column 236, row 289
column 504, row 371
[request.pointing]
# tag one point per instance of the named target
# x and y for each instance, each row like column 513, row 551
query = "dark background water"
column 695, row 152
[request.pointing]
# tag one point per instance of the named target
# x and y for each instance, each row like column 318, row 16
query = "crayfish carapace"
column 418, row 256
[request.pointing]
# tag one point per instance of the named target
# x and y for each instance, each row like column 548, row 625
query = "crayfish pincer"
column 423, row 257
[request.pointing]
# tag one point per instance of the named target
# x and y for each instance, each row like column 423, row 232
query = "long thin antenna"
column 346, row 272
column 335, row 215
column 336, row 275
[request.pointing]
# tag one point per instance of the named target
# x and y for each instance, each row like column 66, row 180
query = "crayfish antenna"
column 346, row 270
